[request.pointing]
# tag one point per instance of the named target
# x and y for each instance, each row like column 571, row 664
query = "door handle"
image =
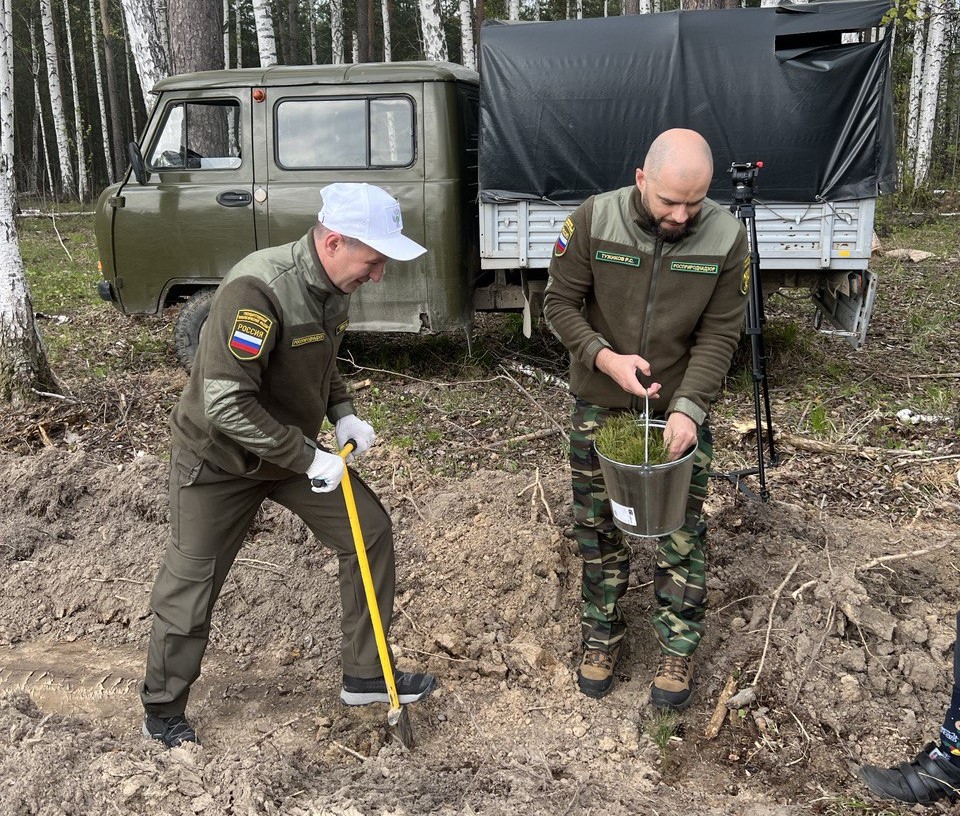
column 234, row 198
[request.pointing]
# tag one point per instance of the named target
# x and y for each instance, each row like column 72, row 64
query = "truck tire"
column 189, row 325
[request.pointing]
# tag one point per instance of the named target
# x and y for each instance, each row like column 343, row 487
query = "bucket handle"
column 646, row 438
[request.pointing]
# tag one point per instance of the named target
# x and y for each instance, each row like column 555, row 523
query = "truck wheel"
column 189, row 325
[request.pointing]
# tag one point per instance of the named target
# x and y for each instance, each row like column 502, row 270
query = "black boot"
column 927, row 778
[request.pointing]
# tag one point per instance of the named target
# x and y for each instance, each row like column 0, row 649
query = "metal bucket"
column 648, row 501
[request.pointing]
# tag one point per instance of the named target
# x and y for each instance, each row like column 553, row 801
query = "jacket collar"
column 639, row 217
column 308, row 265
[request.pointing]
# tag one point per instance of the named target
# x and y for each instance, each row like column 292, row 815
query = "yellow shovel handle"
column 368, row 581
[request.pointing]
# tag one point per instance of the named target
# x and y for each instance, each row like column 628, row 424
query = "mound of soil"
column 834, row 640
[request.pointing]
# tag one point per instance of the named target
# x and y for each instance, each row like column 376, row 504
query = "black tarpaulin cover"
column 569, row 108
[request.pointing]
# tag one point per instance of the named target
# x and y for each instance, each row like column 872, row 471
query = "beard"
column 667, row 233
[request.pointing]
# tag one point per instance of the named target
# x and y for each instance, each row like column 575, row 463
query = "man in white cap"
column 245, row 430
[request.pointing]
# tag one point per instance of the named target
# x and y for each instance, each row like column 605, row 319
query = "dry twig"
column 773, row 606
column 884, row 559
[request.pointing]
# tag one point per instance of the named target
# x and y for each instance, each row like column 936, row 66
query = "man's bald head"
column 682, row 153
column 673, row 182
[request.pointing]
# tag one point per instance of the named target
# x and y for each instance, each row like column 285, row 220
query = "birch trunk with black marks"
column 266, row 38
column 67, row 183
column 935, row 54
column 38, row 107
column 385, row 12
column 336, row 32
column 146, row 45
column 467, row 54
column 83, row 185
column 431, row 27
column 23, row 363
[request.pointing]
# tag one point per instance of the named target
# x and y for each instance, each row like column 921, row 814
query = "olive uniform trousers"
column 210, row 513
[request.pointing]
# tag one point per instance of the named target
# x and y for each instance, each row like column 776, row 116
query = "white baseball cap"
column 370, row 215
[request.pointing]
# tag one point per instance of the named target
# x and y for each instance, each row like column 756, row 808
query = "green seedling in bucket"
column 625, row 438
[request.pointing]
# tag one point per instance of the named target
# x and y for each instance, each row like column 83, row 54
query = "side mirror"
column 136, row 162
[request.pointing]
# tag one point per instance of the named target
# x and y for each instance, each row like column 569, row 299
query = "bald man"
column 647, row 290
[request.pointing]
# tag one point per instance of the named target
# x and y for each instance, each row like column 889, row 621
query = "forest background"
column 82, row 69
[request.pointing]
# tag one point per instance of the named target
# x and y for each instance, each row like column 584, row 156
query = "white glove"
column 326, row 472
column 352, row 427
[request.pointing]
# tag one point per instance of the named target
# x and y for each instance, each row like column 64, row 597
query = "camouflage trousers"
column 679, row 577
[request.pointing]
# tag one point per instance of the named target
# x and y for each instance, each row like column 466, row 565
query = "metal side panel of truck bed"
column 823, row 246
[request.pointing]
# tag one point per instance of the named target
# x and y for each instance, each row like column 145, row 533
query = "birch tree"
column 385, row 14
column 24, row 370
column 266, row 39
column 312, row 22
column 238, row 33
column 513, row 9
column 935, row 54
column 916, row 77
column 467, row 54
column 336, row 32
column 67, row 184
column 83, row 186
column 434, row 44
column 146, row 46
column 108, row 158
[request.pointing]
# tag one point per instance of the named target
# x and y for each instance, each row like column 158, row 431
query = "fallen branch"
column 816, row 653
column 885, row 559
column 773, row 606
column 720, row 712
column 543, row 434
column 820, row 446
column 545, row 412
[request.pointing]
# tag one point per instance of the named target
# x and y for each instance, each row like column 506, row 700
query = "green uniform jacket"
column 679, row 306
column 266, row 370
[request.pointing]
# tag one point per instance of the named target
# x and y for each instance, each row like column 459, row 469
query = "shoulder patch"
column 566, row 233
column 745, row 277
column 250, row 332
column 343, row 326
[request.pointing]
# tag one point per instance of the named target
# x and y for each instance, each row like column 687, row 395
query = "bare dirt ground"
column 848, row 648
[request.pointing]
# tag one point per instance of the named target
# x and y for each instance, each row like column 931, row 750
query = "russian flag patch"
column 566, row 232
column 250, row 332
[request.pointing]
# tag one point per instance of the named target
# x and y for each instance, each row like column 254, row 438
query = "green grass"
column 59, row 283
column 623, row 438
column 852, row 806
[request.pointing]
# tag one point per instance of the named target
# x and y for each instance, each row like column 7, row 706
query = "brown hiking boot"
column 595, row 676
column 673, row 684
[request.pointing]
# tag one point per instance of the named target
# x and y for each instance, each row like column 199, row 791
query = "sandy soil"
column 488, row 599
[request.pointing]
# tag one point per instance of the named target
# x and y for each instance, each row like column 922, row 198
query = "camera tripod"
column 744, row 176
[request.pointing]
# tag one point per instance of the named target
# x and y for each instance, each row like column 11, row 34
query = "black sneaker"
column 411, row 688
column 929, row 776
column 171, row 731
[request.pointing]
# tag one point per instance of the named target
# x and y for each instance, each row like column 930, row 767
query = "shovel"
column 397, row 717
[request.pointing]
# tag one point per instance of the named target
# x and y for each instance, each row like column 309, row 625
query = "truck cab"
column 233, row 161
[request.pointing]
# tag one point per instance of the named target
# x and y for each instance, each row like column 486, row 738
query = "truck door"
column 364, row 133
column 193, row 219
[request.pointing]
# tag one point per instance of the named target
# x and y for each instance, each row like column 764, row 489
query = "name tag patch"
column 343, row 327
column 310, row 338
column 617, row 258
column 745, row 277
column 696, row 268
column 250, row 331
